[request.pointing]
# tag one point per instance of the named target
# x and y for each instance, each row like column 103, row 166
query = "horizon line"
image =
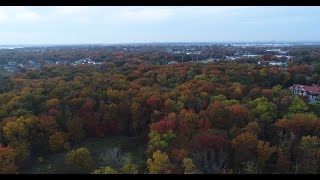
column 169, row 42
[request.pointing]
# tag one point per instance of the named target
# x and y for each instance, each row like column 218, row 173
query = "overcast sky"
column 120, row 24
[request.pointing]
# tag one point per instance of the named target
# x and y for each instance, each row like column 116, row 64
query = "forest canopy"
column 219, row 117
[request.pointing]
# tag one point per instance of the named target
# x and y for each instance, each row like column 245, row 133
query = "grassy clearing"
column 99, row 148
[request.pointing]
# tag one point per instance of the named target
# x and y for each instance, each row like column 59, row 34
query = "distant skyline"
column 121, row 24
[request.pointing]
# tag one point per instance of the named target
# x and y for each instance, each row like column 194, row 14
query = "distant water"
column 10, row 47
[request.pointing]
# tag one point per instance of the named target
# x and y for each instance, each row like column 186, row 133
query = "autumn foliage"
column 191, row 117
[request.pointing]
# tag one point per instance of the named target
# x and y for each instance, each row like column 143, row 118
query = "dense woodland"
column 221, row 117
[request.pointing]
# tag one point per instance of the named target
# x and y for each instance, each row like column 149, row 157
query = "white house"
column 310, row 91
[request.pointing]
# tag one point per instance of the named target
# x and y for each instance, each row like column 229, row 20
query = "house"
column 310, row 91
column 173, row 62
column 85, row 61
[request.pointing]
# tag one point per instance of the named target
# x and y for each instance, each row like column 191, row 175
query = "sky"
column 122, row 24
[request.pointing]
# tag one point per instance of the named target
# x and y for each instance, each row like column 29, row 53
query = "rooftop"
column 314, row 89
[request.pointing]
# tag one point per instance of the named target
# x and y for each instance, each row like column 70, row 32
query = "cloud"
column 109, row 15
column 21, row 15
column 165, row 23
column 148, row 14
column 18, row 14
column 131, row 15
column 70, row 9
column 211, row 10
column 139, row 15
column 27, row 15
column 276, row 21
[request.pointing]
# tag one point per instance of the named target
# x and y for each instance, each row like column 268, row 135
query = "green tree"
column 309, row 159
column 264, row 110
column 160, row 141
column 245, row 147
column 76, row 130
column 264, row 151
column 130, row 168
column 24, row 134
column 57, row 142
column 297, row 106
column 189, row 167
column 249, row 167
column 105, row 170
column 80, row 158
column 159, row 163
